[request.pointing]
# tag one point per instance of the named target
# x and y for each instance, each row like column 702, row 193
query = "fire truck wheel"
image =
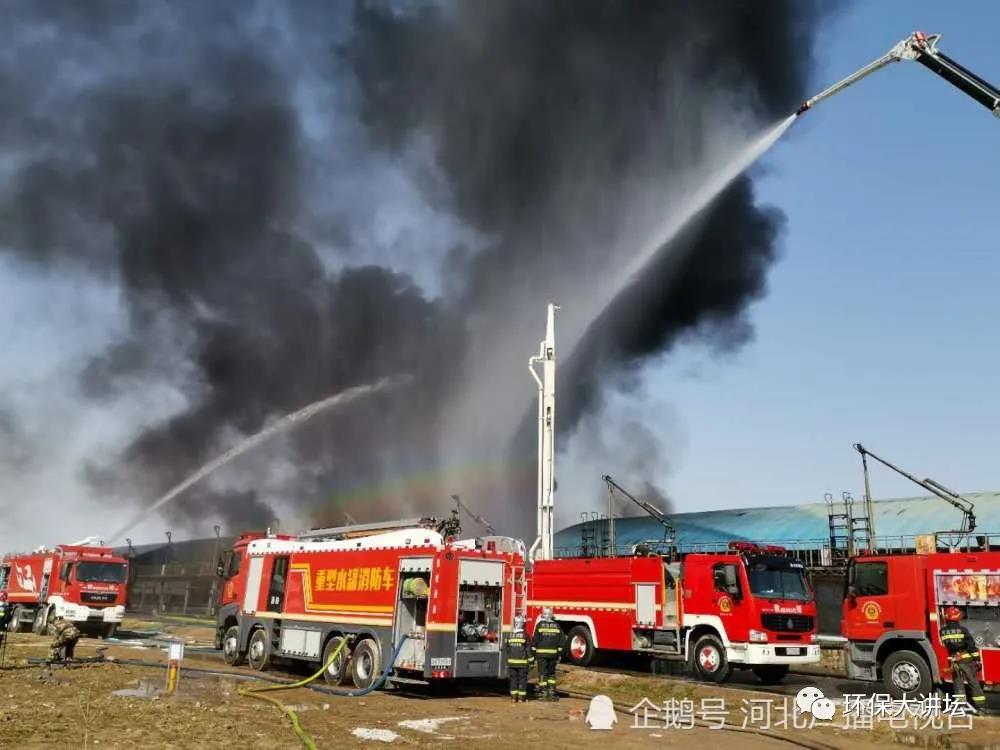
column 579, row 646
column 770, row 674
column 108, row 630
column 366, row 664
column 906, row 675
column 231, row 653
column 14, row 626
column 257, row 652
column 336, row 673
column 709, row 660
column 41, row 623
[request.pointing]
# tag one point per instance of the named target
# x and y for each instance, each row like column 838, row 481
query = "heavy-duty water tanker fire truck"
column 405, row 592
column 83, row 583
column 748, row 606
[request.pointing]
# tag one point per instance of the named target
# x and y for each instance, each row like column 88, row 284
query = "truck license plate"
column 794, row 652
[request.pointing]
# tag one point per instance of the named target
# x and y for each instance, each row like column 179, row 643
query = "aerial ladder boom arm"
column 935, row 488
column 921, row 48
column 651, row 509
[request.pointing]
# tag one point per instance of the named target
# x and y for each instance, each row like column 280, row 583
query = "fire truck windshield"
column 778, row 581
column 97, row 572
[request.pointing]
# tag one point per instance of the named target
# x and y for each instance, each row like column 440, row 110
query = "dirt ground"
column 76, row 707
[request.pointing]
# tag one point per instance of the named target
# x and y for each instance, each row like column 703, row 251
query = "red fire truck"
column 894, row 603
column 750, row 607
column 83, row 583
column 296, row 598
column 894, row 608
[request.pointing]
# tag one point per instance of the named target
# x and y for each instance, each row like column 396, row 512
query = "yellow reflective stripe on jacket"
column 952, row 636
column 546, row 651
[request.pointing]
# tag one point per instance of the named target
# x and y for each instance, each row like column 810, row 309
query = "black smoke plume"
column 208, row 162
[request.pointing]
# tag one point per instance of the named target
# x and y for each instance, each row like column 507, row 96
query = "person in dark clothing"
column 546, row 644
column 963, row 653
column 518, row 661
column 5, row 614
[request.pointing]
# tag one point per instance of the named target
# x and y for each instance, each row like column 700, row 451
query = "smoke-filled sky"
column 212, row 215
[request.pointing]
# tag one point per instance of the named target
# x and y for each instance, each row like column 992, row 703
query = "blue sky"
column 880, row 324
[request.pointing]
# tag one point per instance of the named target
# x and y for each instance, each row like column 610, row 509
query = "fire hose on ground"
column 279, row 684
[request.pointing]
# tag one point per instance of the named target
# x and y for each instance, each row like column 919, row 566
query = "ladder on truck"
column 849, row 533
column 519, row 589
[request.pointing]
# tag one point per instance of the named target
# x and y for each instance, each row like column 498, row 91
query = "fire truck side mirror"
column 64, row 572
column 852, row 595
column 222, row 565
column 732, row 582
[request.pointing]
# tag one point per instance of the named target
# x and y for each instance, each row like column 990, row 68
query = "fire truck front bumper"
column 83, row 613
column 772, row 653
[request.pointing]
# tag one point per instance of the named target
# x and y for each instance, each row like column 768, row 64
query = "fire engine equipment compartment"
column 480, row 604
column 411, row 614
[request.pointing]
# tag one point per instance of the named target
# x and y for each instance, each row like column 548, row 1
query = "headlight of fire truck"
column 813, row 638
column 758, row 636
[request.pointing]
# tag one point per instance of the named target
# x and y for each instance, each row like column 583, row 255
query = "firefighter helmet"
column 547, row 613
column 952, row 614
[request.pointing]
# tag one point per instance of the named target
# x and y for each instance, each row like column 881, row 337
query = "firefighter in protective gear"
column 963, row 653
column 546, row 644
column 518, row 661
column 64, row 637
column 5, row 614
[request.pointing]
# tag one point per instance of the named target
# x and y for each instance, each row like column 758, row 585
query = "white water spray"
column 285, row 423
column 680, row 216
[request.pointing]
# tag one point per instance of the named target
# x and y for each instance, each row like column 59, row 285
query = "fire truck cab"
column 84, row 584
column 893, row 611
column 432, row 606
column 750, row 607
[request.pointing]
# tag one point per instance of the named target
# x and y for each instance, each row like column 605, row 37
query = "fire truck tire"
column 366, row 664
column 41, row 623
column 258, row 651
column 109, row 630
column 579, row 646
column 906, row 674
column 708, row 660
column 14, row 626
column 770, row 674
column 336, row 673
column 231, row 653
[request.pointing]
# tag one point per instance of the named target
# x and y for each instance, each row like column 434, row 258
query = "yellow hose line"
column 301, row 733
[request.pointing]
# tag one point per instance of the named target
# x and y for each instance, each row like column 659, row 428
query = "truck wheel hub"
column 257, row 649
column 708, row 657
column 230, row 646
column 578, row 646
column 906, row 676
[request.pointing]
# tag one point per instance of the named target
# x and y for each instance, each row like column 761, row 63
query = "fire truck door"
column 252, row 592
column 869, row 606
column 645, row 604
column 276, row 589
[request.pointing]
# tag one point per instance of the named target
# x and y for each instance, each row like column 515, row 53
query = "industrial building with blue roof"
column 896, row 522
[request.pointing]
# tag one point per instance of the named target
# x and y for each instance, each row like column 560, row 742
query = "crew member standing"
column 518, row 660
column 5, row 614
column 546, row 644
column 963, row 653
column 64, row 637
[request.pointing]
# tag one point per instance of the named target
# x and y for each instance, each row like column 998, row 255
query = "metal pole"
column 869, row 508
